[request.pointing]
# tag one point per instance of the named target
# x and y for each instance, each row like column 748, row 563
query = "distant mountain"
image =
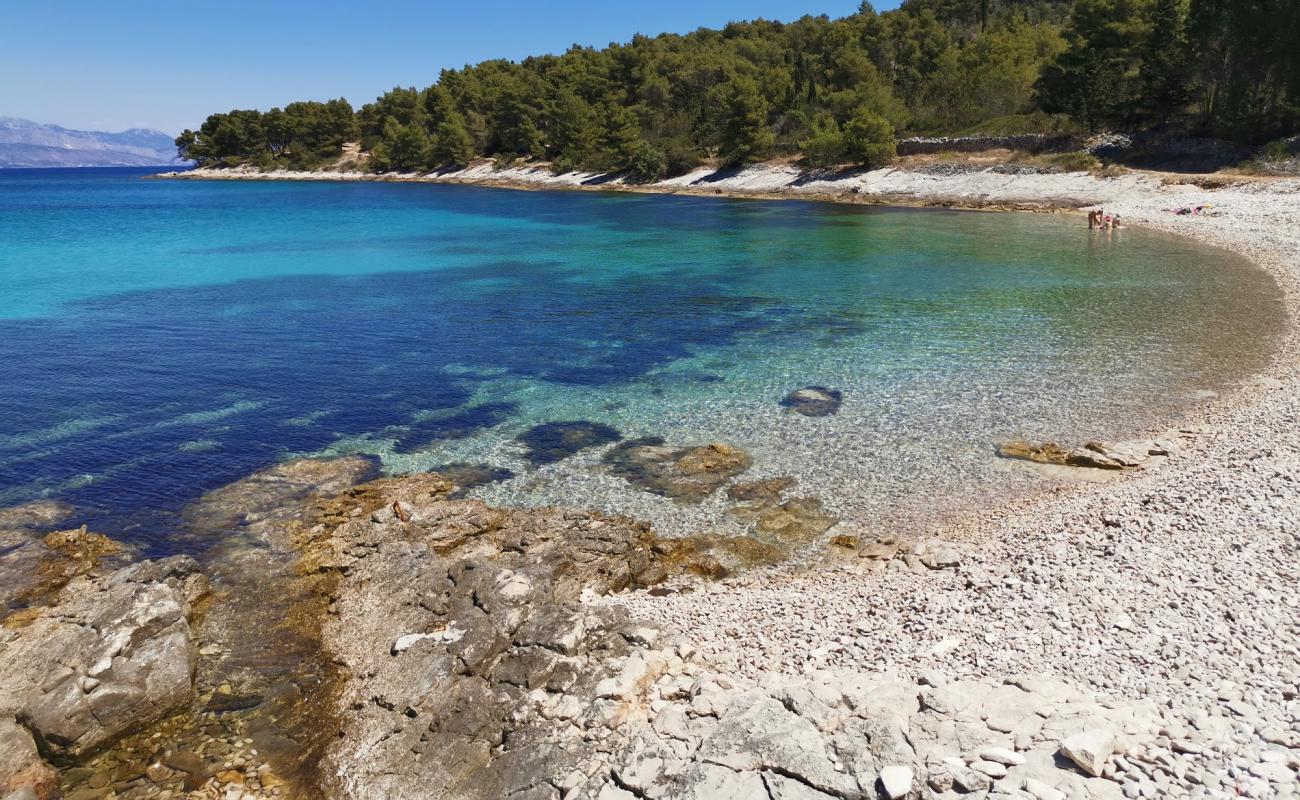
column 24, row 143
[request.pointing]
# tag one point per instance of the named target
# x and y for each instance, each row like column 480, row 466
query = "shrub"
column 824, row 147
column 869, row 139
column 1077, row 161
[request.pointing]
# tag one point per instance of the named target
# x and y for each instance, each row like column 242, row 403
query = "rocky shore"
column 346, row 636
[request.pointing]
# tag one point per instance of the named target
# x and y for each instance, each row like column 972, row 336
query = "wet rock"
column 112, row 654
column 684, row 473
column 552, row 442
column 21, row 767
column 227, row 701
column 714, row 556
column 34, row 567
column 814, row 401
column 1094, row 455
column 799, row 519
column 471, row 476
column 766, row 490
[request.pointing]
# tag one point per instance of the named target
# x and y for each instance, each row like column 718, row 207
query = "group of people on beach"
column 1100, row 219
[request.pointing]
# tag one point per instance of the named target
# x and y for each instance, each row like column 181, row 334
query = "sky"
column 95, row 65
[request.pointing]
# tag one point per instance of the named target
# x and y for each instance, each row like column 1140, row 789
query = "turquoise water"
column 165, row 337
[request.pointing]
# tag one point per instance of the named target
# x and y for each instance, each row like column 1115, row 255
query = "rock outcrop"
column 479, row 662
column 457, row 625
column 110, row 654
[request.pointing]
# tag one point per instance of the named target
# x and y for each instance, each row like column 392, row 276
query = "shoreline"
column 968, row 190
column 1163, row 601
column 929, row 186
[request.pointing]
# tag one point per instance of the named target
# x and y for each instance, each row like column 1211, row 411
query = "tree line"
column 833, row 91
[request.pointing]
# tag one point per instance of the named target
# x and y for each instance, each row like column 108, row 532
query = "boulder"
column 814, row 401
column 111, row 655
column 683, row 473
column 21, row 766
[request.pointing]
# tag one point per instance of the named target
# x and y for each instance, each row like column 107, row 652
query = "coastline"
column 931, row 185
column 1165, row 597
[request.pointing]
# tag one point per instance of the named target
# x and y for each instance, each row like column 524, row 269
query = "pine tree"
column 869, row 139
column 1166, row 67
column 453, row 146
column 746, row 136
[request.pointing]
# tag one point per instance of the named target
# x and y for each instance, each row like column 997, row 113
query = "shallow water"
column 162, row 338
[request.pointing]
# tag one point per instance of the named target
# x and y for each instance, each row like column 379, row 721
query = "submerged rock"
column 471, row 476
column 814, row 401
column 799, row 519
column 551, row 442
column 33, row 516
column 684, row 473
column 768, row 489
column 714, row 556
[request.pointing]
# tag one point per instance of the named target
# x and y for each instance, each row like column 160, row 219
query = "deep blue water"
column 161, row 338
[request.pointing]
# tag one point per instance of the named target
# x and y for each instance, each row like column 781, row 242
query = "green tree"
column 404, row 148
column 453, row 145
column 824, row 147
column 869, row 139
column 746, row 136
column 1096, row 80
column 1166, row 73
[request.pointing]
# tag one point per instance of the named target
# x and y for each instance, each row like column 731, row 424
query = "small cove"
column 165, row 338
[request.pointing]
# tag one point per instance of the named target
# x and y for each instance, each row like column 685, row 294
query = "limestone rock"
column 768, row 489
column 113, row 654
column 896, row 780
column 1089, row 750
column 21, row 767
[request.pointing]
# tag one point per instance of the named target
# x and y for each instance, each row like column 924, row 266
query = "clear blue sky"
column 102, row 65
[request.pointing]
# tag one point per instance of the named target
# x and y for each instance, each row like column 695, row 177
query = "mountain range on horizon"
column 24, row 143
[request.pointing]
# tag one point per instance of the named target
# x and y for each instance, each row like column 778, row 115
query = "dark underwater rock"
column 684, row 473
column 814, row 401
column 472, row 476
column 460, row 425
column 767, row 489
column 551, row 442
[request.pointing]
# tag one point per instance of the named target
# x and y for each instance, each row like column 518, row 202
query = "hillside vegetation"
column 835, row 91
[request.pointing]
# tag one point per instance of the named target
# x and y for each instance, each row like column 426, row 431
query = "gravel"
column 1176, row 585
